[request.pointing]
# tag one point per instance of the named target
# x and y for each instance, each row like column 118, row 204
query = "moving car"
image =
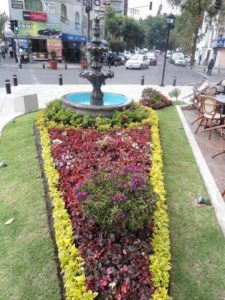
column 152, row 58
column 178, row 59
column 138, row 61
column 168, row 53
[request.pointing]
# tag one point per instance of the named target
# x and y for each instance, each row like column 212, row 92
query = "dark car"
column 114, row 59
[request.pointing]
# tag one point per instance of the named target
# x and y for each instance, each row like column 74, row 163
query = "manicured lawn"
column 198, row 245
column 27, row 267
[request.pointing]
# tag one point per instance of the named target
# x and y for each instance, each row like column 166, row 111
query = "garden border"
column 70, row 260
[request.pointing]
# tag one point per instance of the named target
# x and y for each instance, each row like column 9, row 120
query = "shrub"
column 175, row 93
column 55, row 112
column 122, row 199
column 154, row 99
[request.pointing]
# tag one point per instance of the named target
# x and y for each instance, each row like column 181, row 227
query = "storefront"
column 72, row 45
column 219, row 52
column 41, row 38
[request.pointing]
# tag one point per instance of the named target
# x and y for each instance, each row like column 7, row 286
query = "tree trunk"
column 193, row 46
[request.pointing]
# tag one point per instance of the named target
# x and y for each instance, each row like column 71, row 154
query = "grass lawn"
column 27, row 267
column 198, row 245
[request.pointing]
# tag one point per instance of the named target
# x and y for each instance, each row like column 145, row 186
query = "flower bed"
column 116, row 261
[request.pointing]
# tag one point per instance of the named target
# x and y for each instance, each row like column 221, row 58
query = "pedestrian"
column 10, row 51
column 199, row 59
column 3, row 51
column 210, row 66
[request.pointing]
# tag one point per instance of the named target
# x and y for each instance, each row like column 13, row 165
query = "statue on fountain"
column 95, row 74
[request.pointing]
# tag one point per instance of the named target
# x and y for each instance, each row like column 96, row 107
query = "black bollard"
column 7, row 86
column 43, row 66
column 142, row 80
column 15, row 80
column 60, row 79
column 20, row 66
column 65, row 66
column 174, row 81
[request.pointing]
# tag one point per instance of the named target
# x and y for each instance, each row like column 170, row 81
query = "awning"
column 73, row 38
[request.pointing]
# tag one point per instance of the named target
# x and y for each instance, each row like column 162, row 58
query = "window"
column 63, row 13
column 33, row 5
column 77, row 21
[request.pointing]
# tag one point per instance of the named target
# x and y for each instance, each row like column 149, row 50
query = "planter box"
column 26, row 103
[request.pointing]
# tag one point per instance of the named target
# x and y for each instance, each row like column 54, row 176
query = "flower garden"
column 106, row 184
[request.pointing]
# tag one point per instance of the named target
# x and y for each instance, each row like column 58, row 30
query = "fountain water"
column 96, row 103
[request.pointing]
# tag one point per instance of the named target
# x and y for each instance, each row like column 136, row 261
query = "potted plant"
column 53, row 61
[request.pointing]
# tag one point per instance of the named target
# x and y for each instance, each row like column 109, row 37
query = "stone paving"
column 209, row 147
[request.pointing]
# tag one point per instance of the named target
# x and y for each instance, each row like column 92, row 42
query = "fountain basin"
column 81, row 103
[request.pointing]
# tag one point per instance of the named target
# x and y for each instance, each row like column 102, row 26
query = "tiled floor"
column 208, row 148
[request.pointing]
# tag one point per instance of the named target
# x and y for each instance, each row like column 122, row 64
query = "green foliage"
column 117, row 45
column 3, row 20
column 53, row 54
column 155, row 29
column 175, row 93
column 128, row 28
column 55, row 112
column 123, row 199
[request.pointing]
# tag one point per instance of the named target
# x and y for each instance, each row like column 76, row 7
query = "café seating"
column 210, row 113
column 195, row 97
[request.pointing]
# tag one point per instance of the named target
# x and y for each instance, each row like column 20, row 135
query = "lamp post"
column 170, row 20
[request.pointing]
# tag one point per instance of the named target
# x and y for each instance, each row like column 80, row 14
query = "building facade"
column 62, row 26
column 212, row 42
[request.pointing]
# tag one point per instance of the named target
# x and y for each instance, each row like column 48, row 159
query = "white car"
column 127, row 54
column 138, row 61
column 178, row 59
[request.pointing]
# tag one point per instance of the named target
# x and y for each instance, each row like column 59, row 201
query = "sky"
column 144, row 11
column 4, row 6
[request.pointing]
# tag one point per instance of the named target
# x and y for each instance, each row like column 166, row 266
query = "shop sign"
column 56, row 45
column 38, row 29
column 34, row 16
column 49, row 7
column 219, row 43
column 17, row 4
column 73, row 38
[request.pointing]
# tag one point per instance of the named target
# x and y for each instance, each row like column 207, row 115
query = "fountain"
column 96, row 103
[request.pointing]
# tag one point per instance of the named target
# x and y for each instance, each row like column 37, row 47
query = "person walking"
column 210, row 66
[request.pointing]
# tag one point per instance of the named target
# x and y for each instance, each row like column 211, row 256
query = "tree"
column 124, row 29
column 196, row 10
column 3, row 20
column 156, row 31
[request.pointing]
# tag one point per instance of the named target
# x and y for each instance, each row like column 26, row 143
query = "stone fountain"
column 96, row 103
column 95, row 75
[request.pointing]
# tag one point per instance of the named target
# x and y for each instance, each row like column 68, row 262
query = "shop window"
column 33, row 5
column 64, row 13
column 77, row 21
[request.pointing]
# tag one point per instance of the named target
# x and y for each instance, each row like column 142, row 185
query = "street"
column 33, row 73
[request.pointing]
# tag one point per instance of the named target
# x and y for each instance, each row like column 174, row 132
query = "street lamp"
column 170, row 20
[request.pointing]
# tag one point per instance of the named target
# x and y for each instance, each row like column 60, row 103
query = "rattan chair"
column 210, row 113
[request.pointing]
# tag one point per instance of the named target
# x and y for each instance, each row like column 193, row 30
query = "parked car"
column 122, row 56
column 114, row 59
column 138, row 61
column 177, row 59
column 187, row 59
column 152, row 58
column 127, row 54
column 168, row 53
